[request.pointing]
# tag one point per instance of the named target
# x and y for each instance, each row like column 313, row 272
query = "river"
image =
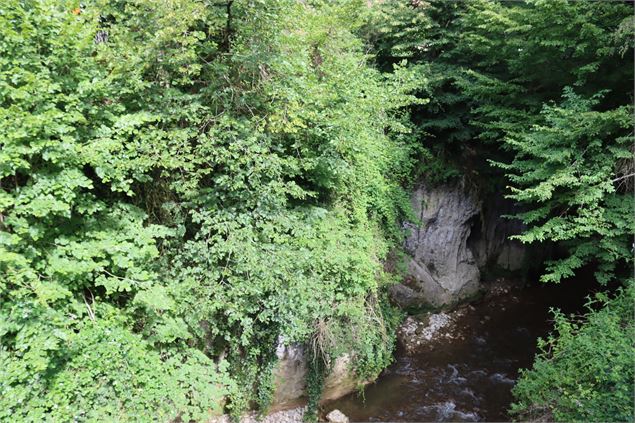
column 468, row 377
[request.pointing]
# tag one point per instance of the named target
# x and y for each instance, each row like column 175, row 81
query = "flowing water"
column 469, row 377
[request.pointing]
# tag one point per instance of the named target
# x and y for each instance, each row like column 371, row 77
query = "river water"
column 468, row 377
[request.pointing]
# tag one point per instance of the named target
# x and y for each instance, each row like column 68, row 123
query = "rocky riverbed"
column 453, row 365
column 461, row 365
column 294, row 415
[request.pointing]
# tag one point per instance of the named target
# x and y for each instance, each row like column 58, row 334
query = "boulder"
column 336, row 416
column 341, row 380
column 290, row 377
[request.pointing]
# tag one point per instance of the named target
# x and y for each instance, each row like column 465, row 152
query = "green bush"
column 584, row 371
column 182, row 184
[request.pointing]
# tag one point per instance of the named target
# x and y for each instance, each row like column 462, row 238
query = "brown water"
column 468, row 378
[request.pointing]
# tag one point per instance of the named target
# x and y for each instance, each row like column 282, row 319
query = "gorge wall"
column 290, row 377
column 457, row 244
column 459, row 238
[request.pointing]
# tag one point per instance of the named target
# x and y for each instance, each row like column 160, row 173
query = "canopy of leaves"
column 534, row 99
column 567, row 171
column 184, row 184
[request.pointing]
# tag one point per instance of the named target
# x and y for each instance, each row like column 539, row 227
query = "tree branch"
column 623, row 177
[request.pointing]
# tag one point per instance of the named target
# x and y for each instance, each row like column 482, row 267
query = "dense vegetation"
column 535, row 99
column 184, row 184
column 585, row 371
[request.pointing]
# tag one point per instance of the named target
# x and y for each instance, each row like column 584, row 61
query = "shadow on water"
column 469, row 377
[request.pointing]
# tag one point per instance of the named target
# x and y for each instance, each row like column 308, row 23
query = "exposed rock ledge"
column 290, row 377
column 442, row 269
column 290, row 385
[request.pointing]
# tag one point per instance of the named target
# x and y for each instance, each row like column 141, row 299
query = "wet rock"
column 336, row 416
column 415, row 334
column 407, row 297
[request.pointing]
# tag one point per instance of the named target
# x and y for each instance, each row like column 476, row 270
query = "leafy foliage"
column 184, row 184
column 76, row 255
column 534, row 99
column 489, row 66
column 585, row 372
column 566, row 170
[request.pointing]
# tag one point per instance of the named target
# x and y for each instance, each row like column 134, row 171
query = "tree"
column 157, row 159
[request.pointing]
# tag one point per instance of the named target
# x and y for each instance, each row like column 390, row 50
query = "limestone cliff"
column 459, row 235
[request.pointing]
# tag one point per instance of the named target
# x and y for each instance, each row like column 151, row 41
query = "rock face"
column 459, row 236
column 341, row 380
column 489, row 241
column 442, row 268
column 290, row 377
